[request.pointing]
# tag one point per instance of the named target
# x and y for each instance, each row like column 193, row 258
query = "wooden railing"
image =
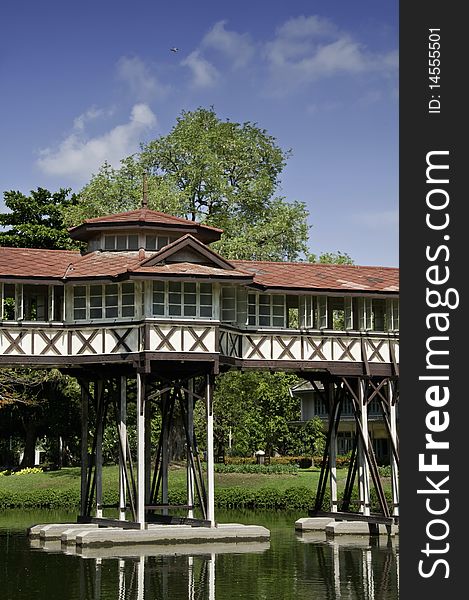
column 46, row 343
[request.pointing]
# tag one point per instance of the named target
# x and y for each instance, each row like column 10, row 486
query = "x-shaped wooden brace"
column 317, row 349
column 86, row 341
column 165, row 343
column 376, row 350
column 50, row 341
column 286, row 347
column 198, row 339
column 120, row 340
column 346, row 348
column 256, row 346
column 231, row 343
column 14, row 342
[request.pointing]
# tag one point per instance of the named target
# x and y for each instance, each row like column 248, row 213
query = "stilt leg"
column 394, row 465
column 190, row 431
column 99, row 396
column 84, row 447
column 123, row 454
column 334, row 408
column 363, row 468
column 141, row 450
column 210, row 457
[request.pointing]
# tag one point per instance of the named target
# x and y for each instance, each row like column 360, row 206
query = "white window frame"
column 228, row 293
column 321, row 312
column 167, row 291
column 101, row 304
column 115, row 245
column 307, row 308
column 392, row 314
column 254, row 316
column 160, row 241
column 365, row 314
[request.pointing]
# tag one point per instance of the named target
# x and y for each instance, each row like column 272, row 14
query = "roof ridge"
column 309, row 264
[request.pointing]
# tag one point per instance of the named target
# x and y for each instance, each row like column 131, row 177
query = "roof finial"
column 145, row 191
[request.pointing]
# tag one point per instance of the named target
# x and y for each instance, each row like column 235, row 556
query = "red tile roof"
column 58, row 264
column 145, row 215
column 32, row 262
column 321, row 276
column 104, row 264
column 191, row 269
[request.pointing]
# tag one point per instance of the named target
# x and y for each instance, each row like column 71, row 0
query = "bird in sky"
column 174, row 49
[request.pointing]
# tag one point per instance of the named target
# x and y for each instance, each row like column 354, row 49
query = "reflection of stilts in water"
column 325, row 571
column 368, row 576
column 336, row 562
column 121, row 579
column 391, row 559
column 154, row 578
column 97, row 586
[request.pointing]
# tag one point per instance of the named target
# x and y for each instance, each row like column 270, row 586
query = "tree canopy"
column 221, row 173
column 37, row 220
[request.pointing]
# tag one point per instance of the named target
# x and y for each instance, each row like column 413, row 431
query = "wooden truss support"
column 177, row 398
column 363, row 467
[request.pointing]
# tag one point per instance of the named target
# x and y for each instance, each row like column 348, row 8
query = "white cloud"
column 90, row 115
column 78, row 157
column 307, row 48
column 204, row 73
column 142, row 83
column 237, row 47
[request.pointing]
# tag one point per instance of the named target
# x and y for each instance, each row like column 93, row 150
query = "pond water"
column 291, row 566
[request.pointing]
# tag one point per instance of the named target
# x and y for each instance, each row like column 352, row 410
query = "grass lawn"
column 63, row 486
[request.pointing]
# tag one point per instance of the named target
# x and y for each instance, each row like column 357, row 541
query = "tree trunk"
column 29, row 454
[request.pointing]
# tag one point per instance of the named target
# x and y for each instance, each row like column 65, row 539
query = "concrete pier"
column 92, row 536
column 333, row 528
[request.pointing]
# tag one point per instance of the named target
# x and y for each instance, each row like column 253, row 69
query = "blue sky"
column 84, row 82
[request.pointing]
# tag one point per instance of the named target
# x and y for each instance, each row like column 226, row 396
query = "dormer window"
column 156, row 242
column 121, row 242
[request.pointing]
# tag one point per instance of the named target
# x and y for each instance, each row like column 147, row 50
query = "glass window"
column 162, row 242
column 110, row 301
column 128, row 300
column 228, row 304
column 158, row 298
column 79, row 302
column 321, row 308
column 35, row 302
column 8, row 302
column 186, row 299
column 150, row 242
column 121, row 242
column 266, row 310
column 109, row 242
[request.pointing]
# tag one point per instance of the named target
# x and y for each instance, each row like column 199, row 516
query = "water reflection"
column 365, row 567
column 345, row 568
column 292, row 566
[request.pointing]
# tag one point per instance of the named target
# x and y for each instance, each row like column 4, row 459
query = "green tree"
column 331, row 258
column 222, row 173
column 35, row 403
column 37, row 221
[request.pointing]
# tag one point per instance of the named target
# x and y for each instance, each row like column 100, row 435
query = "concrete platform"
column 53, row 531
column 313, row 523
column 336, row 528
column 359, row 528
column 92, row 536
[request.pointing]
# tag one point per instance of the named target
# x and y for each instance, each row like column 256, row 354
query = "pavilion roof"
column 31, row 263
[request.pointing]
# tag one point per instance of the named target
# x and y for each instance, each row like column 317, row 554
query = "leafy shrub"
column 254, row 468
column 28, row 471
